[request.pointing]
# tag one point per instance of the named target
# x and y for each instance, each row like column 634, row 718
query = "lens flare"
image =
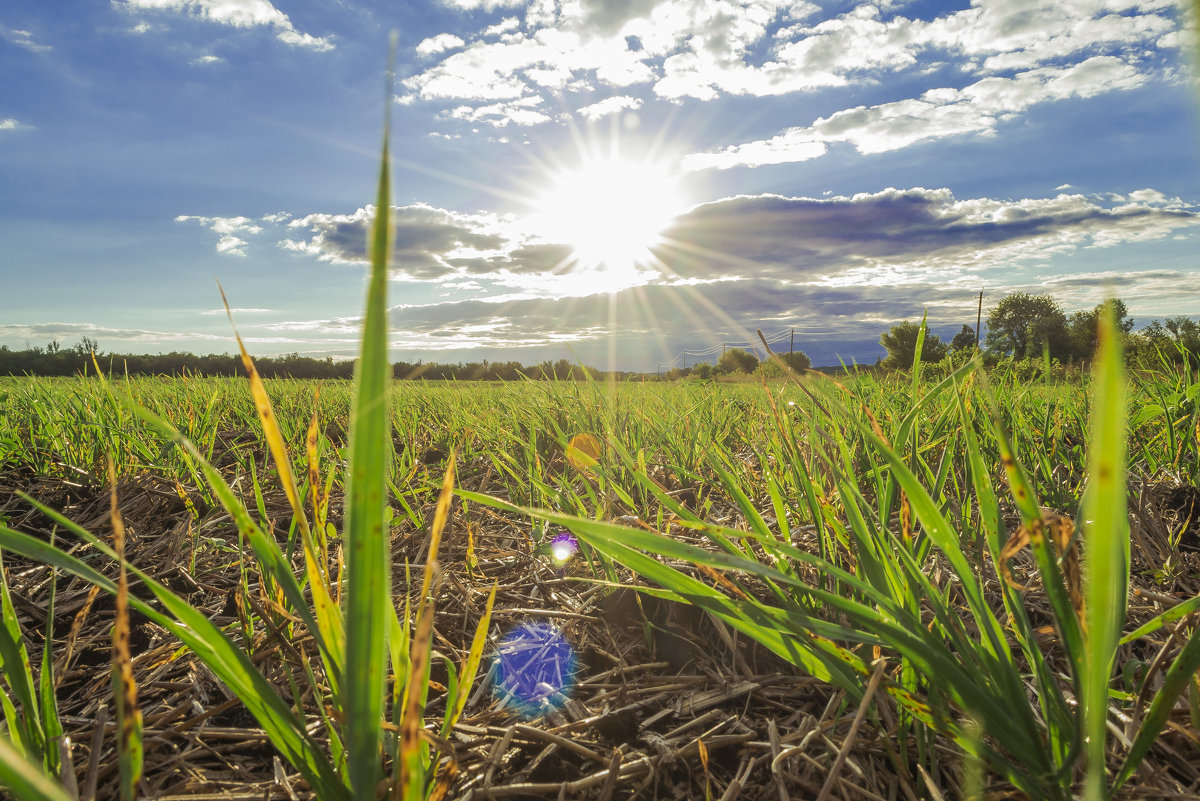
column 582, row 452
column 563, row 547
column 535, row 668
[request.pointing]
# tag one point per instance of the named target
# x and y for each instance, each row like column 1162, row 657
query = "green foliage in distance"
column 736, row 360
column 1022, row 325
column 901, row 344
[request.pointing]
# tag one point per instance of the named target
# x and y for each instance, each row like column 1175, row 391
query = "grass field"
column 963, row 586
column 772, row 511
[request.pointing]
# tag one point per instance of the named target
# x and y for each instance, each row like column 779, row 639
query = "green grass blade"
column 1179, row 676
column 23, row 779
column 270, row 558
column 368, row 594
column 226, row 660
column 17, row 672
column 1176, row 612
column 1106, row 539
column 471, row 666
column 52, row 730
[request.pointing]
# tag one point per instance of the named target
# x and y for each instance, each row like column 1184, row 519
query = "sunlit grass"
column 864, row 530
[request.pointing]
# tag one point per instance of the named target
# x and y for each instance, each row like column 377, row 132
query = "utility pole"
column 978, row 319
column 792, row 345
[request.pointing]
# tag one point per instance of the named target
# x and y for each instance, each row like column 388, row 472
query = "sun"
column 611, row 213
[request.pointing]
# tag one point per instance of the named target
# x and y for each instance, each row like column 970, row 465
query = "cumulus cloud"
column 894, row 237
column 609, row 105
column 704, row 49
column 976, row 109
column 236, row 14
column 897, row 236
column 517, row 112
column 430, row 243
column 228, row 229
column 11, row 124
column 485, row 5
column 439, row 44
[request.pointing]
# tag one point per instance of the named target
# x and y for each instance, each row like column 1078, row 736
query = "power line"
column 783, row 335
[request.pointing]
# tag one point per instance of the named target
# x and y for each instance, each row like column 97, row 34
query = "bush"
column 736, row 360
column 797, row 360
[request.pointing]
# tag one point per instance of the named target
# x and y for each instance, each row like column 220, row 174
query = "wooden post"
column 978, row 319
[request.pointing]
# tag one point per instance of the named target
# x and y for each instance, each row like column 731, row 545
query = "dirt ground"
column 667, row 702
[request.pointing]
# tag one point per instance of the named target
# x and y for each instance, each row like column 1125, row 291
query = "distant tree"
column 87, row 346
column 702, row 370
column 797, row 360
column 1082, row 328
column 1178, row 339
column 1184, row 331
column 901, row 344
column 736, row 360
column 963, row 340
column 1021, row 325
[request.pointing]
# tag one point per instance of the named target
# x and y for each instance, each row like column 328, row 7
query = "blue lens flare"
column 535, row 668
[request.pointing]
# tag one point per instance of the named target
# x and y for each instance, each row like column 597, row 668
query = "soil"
column 668, row 702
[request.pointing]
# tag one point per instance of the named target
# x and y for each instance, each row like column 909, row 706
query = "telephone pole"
column 978, row 319
column 792, row 345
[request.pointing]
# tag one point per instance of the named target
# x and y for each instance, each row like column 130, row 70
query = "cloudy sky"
column 609, row 180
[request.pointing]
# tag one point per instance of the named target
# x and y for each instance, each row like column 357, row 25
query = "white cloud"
column 517, row 112
column 506, row 25
column 64, row 330
column 23, row 38
column 231, row 245
column 227, row 228
column 11, row 124
column 221, row 311
column 609, row 105
column 438, row 44
column 485, row 5
column 237, row 14
column 203, row 60
column 938, row 113
column 705, row 49
column 1152, row 196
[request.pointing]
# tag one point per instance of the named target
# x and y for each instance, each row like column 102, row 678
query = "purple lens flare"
column 563, row 547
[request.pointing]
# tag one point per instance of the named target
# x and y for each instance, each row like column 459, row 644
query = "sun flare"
column 611, row 213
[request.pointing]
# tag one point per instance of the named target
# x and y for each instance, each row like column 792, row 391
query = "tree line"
column 55, row 360
column 1023, row 326
column 1020, row 327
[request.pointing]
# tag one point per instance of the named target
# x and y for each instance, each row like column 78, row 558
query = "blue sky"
column 609, row 181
